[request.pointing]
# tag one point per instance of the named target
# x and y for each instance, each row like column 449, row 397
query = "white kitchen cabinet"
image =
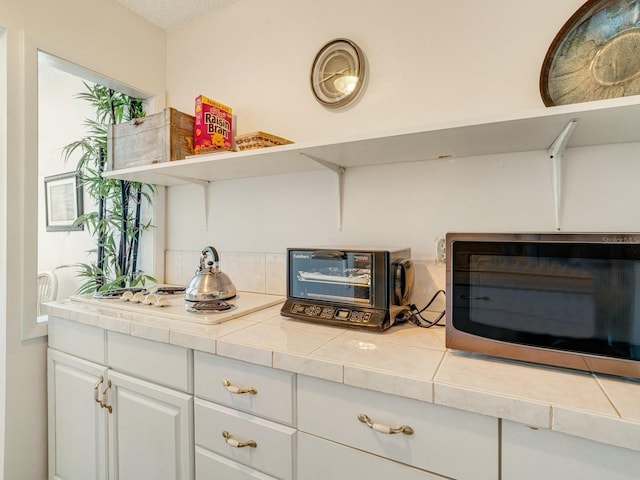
column 150, row 431
column 211, row 466
column 304, row 428
column 269, row 446
column 220, row 380
column 82, row 341
column 105, row 424
column 255, row 406
column 429, row 437
column 158, row 362
column 321, row 459
column 77, row 424
column 534, row 454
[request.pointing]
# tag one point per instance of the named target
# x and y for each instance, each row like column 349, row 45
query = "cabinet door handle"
column 235, row 443
column 238, row 390
column 96, row 390
column 378, row 427
column 104, row 403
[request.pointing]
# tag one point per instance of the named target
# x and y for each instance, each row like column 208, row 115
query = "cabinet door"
column 150, row 431
column 320, row 459
column 77, row 424
column 532, row 454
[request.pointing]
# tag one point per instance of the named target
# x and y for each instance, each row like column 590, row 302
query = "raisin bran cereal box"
column 213, row 126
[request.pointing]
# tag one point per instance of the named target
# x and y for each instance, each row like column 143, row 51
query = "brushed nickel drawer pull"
column 238, row 390
column 378, row 427
column 235, row 443
column 96, row 390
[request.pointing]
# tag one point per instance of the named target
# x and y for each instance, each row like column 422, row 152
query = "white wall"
column 56, row 93
column 87, row 33
column 3, row 233
column 430, row 63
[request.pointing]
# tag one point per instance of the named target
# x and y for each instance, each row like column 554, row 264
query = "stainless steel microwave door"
column 545, row 296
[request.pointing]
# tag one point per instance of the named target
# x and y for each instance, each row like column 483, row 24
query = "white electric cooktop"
column 174, row 308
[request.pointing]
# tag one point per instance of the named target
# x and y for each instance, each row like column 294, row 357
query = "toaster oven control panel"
column 336, row 315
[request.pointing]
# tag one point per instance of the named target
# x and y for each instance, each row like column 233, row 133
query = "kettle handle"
column 213, row 253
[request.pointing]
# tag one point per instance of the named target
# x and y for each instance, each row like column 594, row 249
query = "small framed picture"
column 63, row 202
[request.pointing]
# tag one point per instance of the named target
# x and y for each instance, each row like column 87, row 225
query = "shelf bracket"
column 339, row 171
column 556, row 154
column 205, row 184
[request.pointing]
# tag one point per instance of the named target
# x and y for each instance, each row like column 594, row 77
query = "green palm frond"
column 114, row 268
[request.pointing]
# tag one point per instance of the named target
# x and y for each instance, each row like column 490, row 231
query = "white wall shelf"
column 551, row 130
column 600, row 123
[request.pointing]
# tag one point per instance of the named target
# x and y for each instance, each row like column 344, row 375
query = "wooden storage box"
column 157, row 138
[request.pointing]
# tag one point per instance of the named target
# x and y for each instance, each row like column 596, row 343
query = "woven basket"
column 250, row 141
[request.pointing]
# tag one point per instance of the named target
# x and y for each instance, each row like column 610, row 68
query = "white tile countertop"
column 406, row 360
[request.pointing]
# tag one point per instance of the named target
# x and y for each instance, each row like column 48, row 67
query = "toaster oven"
column 361, row 288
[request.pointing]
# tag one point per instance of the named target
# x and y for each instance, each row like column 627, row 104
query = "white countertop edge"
column 313, row 367
column 71, row 311
column 245, row 353
column 615, row 431
column 388, row 382
column 529, row 412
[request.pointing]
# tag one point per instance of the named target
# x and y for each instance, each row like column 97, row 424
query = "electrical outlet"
column 441, row 250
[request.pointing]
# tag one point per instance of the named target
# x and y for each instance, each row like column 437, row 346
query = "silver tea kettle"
column 209, row 283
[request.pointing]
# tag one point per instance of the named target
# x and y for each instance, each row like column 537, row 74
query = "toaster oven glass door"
column 573, row 297
column 332, row 276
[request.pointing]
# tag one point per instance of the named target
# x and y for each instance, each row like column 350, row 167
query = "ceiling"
column 170, row 14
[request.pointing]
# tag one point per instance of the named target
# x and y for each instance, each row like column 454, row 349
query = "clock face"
column 338, row 73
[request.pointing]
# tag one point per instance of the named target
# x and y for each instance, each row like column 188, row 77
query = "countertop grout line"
column 608, row 397
column 435, row 374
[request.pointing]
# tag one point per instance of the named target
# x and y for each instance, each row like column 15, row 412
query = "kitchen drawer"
column 446, row 441
column 275, row 389
column 275, row 444
column 320, row 459
column 77, row 339
column 535, row 453
column 210, row 466
column 162, row 363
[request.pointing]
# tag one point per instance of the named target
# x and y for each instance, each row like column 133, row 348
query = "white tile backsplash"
column 246, row 270
column 190, row 263
column 276, row 273
column 173, row 267
column 429, row 277
column 266, row 272
column 250, row 272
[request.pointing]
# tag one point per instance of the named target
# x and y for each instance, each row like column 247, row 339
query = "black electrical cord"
column 416, row 315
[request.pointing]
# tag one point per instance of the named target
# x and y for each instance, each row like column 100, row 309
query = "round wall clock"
column 338, row 73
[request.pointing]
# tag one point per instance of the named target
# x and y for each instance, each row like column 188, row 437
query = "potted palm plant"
column 116, row 222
